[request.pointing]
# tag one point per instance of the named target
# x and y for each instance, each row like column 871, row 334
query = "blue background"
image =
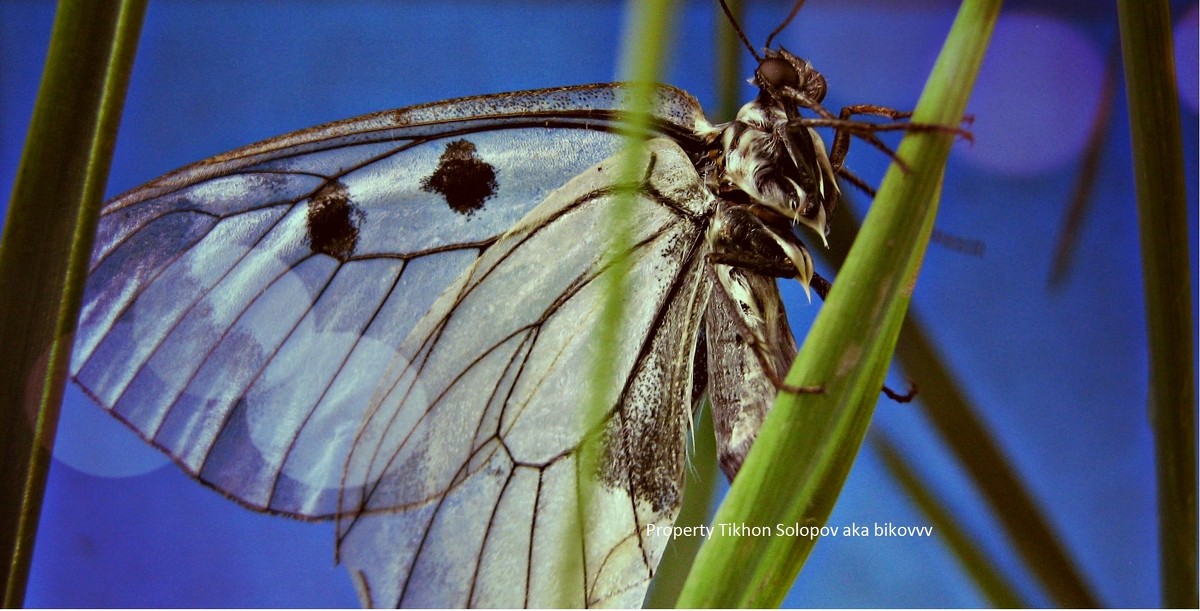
column 1058, row 376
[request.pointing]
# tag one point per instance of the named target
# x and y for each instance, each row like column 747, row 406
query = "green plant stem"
column 1163, row 225
column 729, row 64
column 953, row 416
column 645, row 41
column 847, row 353
column 44, row 252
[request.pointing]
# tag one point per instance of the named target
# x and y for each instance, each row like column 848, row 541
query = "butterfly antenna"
column 790, row 17
column 737, row 27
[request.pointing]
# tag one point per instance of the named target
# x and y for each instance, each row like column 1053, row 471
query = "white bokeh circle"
column 91, row 441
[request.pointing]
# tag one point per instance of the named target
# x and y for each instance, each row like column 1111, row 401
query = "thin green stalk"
column 847, row 353
column 646, row 39
column 44, row 251
column 1163, row 225
column 1085, row 181
column 998, row 590
column 701, row 483
column 702, row 474
column 729, row 64
column 953, row 416
column 1010, row 501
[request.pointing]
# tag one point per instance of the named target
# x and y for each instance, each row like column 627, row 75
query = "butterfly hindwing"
column 747, row 332
column 468, row 461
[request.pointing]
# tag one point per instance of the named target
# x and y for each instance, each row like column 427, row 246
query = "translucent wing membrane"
column 476, row 434
column 271, row 319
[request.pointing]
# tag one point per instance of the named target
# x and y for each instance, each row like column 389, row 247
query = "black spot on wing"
column 465, row 180
column 333, row 221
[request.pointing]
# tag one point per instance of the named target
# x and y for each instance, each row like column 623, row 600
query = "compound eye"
column 815, row 87
column 778, row 73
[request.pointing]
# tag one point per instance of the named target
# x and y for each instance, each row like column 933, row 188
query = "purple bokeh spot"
column 1036, row 96
column 1187, row 66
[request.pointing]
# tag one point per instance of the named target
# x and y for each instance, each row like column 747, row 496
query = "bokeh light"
column 1187, row 66
column 1036, row 96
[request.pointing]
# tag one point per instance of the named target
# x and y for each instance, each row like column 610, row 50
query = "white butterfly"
column 385, row 322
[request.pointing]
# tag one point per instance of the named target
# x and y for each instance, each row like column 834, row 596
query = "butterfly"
column 383, row 321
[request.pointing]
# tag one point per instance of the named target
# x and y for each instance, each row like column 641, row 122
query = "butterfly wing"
column 747, row 331
column 463, row 481
column 240, row 312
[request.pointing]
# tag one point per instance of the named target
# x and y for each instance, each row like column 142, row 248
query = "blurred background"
column 1057, row 374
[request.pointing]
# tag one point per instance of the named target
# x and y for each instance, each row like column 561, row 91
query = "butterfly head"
column 781, row 72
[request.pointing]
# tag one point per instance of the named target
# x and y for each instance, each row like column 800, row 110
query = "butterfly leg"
column 821, row 287
column 841, row 139
column 846, row 126
column 902, row 398
column 742, row 243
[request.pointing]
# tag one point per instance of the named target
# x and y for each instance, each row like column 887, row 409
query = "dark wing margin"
column 676, row 114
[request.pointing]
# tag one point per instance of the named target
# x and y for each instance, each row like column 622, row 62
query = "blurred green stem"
column 1163, row 224
column 702, row 475
column 953, row 416
column 44, row 252
column 646, row 38
column 991, row 582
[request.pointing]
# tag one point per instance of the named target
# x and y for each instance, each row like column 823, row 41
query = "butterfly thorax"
column 780, row 166
column 769, row 157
